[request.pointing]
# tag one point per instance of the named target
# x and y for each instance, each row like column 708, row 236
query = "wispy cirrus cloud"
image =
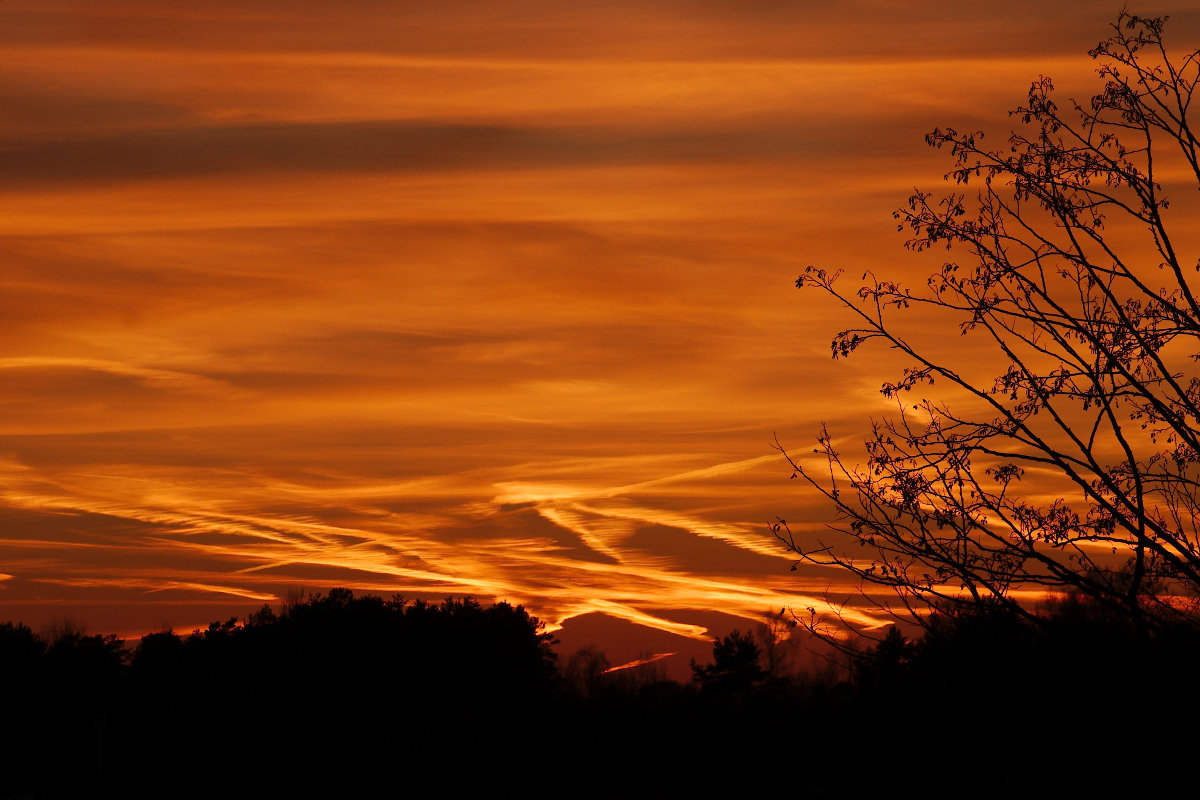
column 490, row 299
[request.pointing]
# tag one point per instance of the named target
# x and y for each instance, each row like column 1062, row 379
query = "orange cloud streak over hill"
column 475, row 298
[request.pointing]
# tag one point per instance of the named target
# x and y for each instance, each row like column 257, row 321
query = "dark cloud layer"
column 765, row 28
column 401, row 146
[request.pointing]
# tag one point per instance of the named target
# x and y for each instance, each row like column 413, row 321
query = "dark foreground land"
column 339, row 696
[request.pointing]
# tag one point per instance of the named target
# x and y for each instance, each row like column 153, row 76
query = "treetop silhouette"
column 1069, row 274
column 735, row 670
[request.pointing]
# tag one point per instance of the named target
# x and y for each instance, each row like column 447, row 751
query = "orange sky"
column 474, row 297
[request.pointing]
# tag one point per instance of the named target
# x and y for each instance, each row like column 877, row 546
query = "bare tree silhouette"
column 1075, row 286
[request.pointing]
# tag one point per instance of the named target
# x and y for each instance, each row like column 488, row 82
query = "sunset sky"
column 490, row 298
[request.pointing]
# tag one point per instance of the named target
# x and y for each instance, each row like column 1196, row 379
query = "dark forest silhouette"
column 332, row 691
column 340, row 694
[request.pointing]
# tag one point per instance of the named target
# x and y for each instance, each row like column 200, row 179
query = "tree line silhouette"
column 322, row 693
column 337, row 693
